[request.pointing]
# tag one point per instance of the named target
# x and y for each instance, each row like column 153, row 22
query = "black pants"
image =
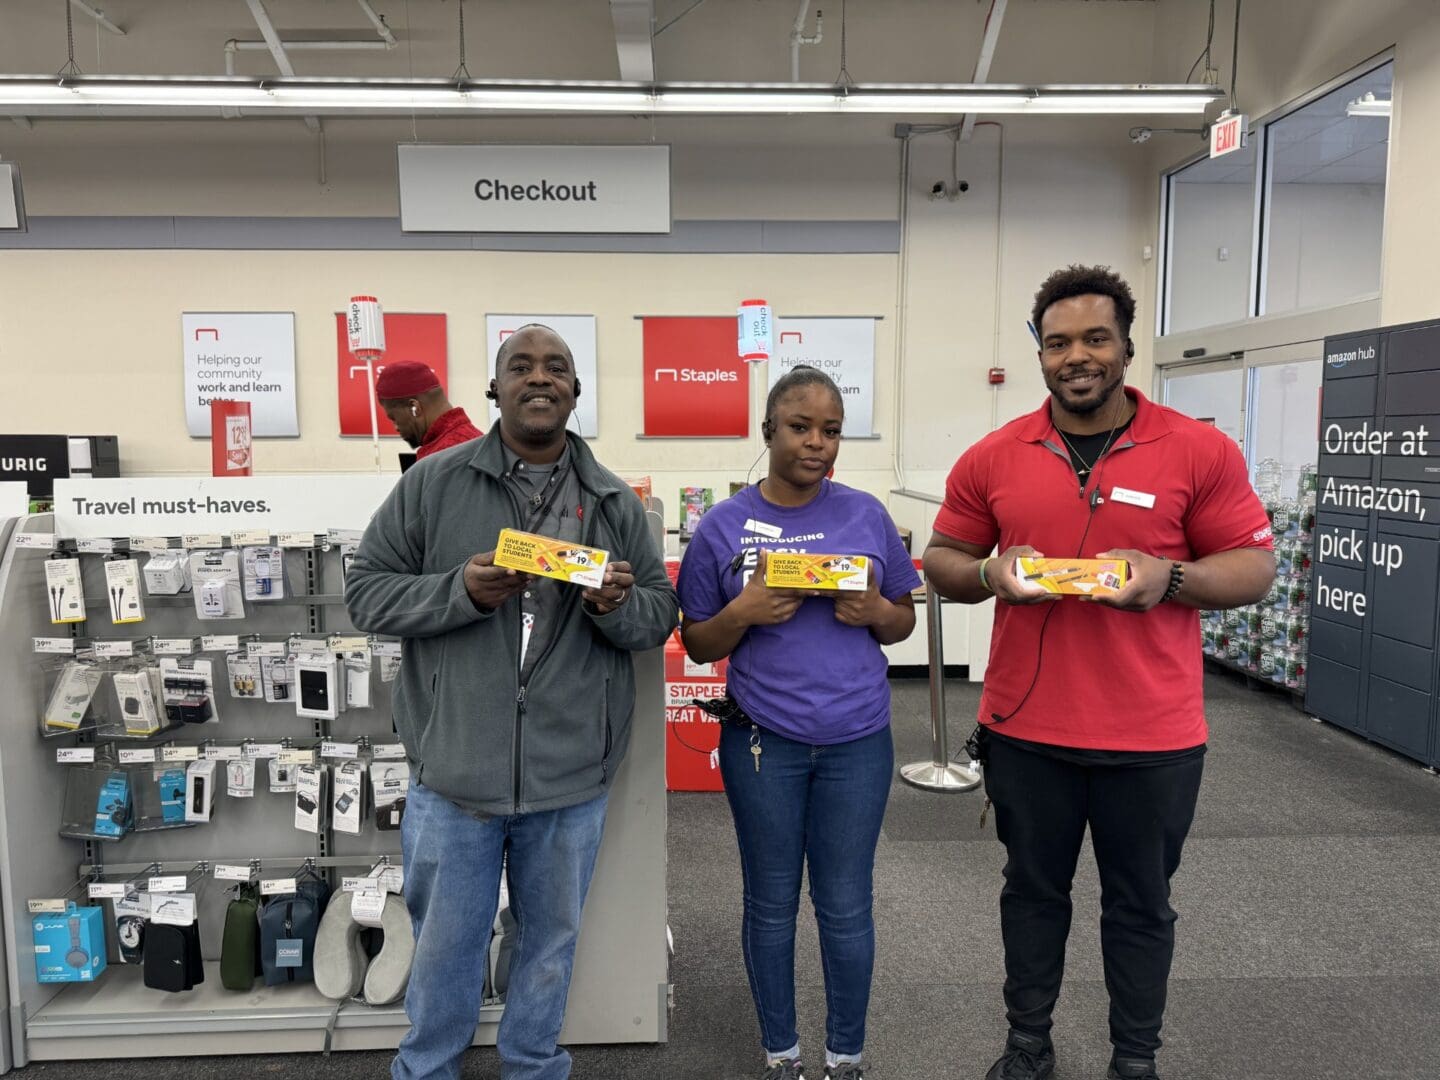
column 1138, row 817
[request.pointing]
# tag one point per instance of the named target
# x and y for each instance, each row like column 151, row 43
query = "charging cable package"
column 62, row 585
column 244, row 672
column 264, row 572
column 122, row 585
column 188, row 689
column 70, row 700
column 309, row 797
column 167, row 573
column 348, row 789
column 139, row 695
column 215, row 579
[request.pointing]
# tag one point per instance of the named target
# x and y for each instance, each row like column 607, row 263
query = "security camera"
column 963, row 186
column 937, row 189
column 1140, row 134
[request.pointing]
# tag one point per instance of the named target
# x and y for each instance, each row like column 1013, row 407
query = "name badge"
column 1133, row 498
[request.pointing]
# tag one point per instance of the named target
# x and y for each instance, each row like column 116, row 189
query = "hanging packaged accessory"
column 244, row 672
column 62, row 585
column 166, row 573
column 240, row 778
column 348, row 804
column 200, row 789
column 309, row 797
column 356, row 667
column 69, row 947
column 320, row 689
column 215, row 577
column 282, row 776
column 114, row 811
column 172, row 783
column 264, row 572
column 139, row 694
column 132, row 912
column 122, row 586
column 70, row 700
column 389, row 783
column 172, row 957
column 188, row 687
column 240, row 942
column 278, row 678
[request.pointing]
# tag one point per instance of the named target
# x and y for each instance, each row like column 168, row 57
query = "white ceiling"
column 1316, row 144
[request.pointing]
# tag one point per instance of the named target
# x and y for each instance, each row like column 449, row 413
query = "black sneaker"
column 784, row 1069
column 1026, row 1057
column 1128, row 1068
column 846, row 1070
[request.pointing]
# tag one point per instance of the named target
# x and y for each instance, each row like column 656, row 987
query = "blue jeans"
column 823, row 804
column 452, row 883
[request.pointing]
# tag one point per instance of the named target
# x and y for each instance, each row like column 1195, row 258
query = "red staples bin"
column 691, row 735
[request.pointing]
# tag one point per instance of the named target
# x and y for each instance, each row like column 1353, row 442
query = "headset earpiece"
column 414, row 411
column 490, row 393
column 1129, row 349
column 577, row 388
column 767, row 430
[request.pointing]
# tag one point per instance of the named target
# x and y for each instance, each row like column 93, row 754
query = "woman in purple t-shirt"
column 807, row 759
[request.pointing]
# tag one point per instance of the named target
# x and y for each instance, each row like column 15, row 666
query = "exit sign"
column 1227, row 134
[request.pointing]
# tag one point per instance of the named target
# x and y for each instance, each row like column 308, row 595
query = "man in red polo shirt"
column 1092, row 713
column 411, row 396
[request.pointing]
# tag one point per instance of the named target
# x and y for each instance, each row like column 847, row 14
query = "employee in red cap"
column 413, row 399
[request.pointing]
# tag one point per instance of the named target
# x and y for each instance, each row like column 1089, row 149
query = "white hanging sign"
column 241, row 356
column 844, row 349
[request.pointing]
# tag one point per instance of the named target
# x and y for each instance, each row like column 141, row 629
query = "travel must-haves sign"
column 534, row 189
column 241, row 356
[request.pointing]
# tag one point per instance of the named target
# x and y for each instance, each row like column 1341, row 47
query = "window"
column 1211, row 238
column 1325, row 197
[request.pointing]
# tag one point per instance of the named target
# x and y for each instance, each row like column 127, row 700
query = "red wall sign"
column 691, row 734
column 695, row 381
column 407, row 337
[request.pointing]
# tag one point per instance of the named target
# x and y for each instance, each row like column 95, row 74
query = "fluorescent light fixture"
column 159, row 96
column 1369, row 105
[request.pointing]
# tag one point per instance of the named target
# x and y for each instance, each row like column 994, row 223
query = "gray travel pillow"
column 344, row 969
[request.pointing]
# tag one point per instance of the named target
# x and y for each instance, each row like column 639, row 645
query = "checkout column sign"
column 407, row 337
column 1373, row 638
column 695, row 382
column 241, row 356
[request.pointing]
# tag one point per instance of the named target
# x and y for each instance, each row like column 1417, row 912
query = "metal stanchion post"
column 940, row 773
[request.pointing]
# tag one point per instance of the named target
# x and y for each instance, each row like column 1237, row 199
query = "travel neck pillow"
column 343, row 968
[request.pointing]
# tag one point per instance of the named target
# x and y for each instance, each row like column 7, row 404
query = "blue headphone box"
column 70, row 947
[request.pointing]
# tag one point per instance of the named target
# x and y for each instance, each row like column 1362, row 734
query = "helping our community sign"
column 843, row 348
column 241, row 356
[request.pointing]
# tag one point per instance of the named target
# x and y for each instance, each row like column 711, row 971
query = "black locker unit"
column 1375, row 620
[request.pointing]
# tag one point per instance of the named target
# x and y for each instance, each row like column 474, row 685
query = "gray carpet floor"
column 1308, row 947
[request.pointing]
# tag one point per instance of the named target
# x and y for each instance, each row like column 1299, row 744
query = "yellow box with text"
column 542, row 556
column 796, row 570
column 1072, row 577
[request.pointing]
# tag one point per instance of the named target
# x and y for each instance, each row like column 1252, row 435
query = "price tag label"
column 277, row 886
column 366, row 907
column 343, row 536
column 355, row 884
column 390, row 649
column 223, row 753
column 39, row 541
column 262, row 750
column 291, row 756
column 173, row 646
column 391, row 879
column 113, row 650
column 137, row 755
column 107, row 890
column 202, row 540
column 95, row 545
column 179, row 753
column 339, row 749
column 220, row 643
column 174, row 910
column 170, row 883
column 296, row 539
column 348, row 643
column 75, row 755
column 250, row 537
column 62, row 645
column 388, row 751
column 265, row 648
column 45, row 907
column 231, row 873
column 149, row 543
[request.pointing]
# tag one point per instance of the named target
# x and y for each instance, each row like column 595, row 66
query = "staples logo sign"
column 695, row 381
column 694, row 375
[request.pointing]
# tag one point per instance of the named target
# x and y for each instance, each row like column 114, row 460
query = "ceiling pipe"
column 241, row 45
column 277, row 49
column 634, row 22
column 98, row 15
column 798, row 38
column 377, row 21
column 993, row 18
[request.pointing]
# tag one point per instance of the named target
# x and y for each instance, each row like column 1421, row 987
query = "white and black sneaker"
column 846, row 1070
column 784, row 1069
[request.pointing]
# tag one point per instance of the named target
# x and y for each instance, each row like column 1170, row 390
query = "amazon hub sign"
column 535, row 189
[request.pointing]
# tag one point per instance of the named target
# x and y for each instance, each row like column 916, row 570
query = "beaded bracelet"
column 1177, row 580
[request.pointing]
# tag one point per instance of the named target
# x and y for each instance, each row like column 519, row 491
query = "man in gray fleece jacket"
column 514, row 703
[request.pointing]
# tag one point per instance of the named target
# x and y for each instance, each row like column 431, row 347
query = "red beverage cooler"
column 691, row 735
